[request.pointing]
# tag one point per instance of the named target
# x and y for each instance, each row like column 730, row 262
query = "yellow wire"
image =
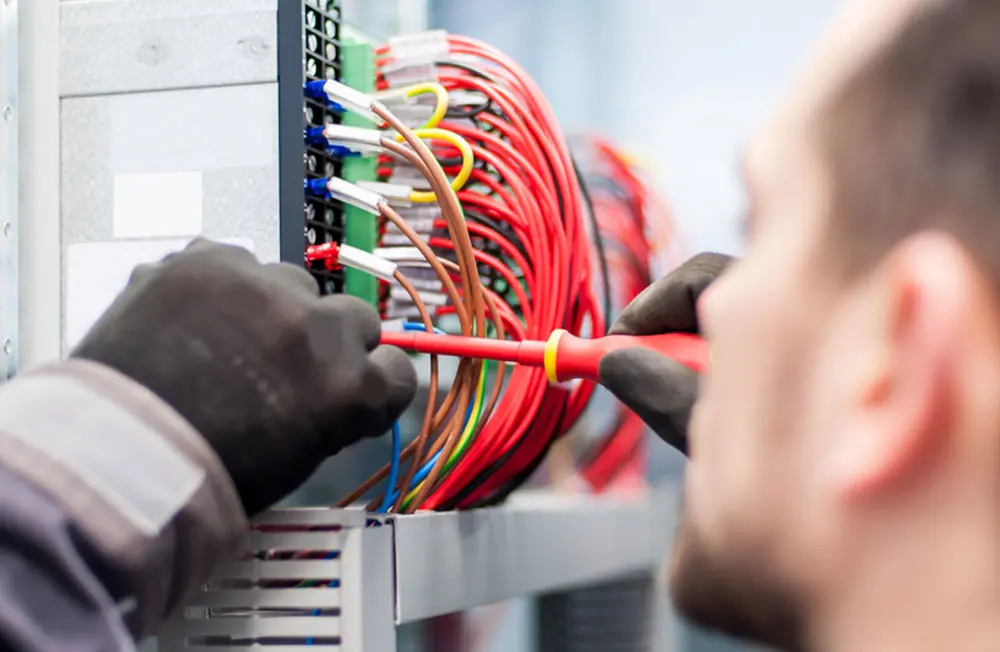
column 440, row 108
column 470, row 425
column 434, row 133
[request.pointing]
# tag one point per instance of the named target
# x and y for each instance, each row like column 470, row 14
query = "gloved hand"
column 659, row 390
column 273, row 376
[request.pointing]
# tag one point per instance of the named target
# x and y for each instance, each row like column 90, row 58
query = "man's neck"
column 923, row 595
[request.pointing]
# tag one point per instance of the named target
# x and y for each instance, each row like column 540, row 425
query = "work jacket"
column 112, row 509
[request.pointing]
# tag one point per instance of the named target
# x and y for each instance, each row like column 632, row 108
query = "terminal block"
column 313, row 46
column 309, row 49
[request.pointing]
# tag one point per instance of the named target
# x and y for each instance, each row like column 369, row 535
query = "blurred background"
column 680, row 84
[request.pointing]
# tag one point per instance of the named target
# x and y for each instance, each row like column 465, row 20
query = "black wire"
column 471, row 112
column 514, row 483
column 451, row 162
column 598, row 243
column 518, row 480
column 607, row 184
column 500, row 228
column 474, row 70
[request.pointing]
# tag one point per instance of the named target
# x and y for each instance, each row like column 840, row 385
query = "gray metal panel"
column 240, row 196
column 357, row 609
column 451, row 561
column 39, row 170
column 9, row 224
column 166, row 89
column 368, row 584
column 239, row 192
column 317, row 598
column 432, row 564
column 121, row 46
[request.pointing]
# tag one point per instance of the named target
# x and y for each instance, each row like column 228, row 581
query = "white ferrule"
column 402, row 255
column 362, row 260
column 349, row 193
column 426, row 285
column 421, row 47
column 359, row 139
column 430, row 298
column 422, row 225
column 396, row 194
column 392, row 326
column 400, row 75
column 352, row 99
column 402, row 309
column 403, row 173
column 395, row 239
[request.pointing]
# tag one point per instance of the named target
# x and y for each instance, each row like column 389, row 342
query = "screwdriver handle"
column 568, row 357
column 563, row 356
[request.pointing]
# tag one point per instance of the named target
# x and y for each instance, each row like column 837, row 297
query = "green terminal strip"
column 360, row 228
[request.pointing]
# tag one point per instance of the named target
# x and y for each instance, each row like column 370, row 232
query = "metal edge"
column 367, row 620
column 451, row 561
column 291, row 226
column 10, row 229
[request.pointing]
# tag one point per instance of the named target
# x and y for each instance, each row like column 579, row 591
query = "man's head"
column 849, row 428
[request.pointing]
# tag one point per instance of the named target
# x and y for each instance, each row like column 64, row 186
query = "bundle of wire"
column 634, row 235
column 522, row 202
column 502, row 250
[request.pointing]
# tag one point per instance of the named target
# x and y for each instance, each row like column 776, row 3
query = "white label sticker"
column 161, row 205
column 97, row 271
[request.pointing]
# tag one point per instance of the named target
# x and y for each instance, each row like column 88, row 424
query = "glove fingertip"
column 658, row 389
column 361, row 315
column 400, row 374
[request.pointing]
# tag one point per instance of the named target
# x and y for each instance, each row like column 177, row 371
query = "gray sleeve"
column 112, row 510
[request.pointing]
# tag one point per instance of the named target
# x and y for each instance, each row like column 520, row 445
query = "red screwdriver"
column 563, row 356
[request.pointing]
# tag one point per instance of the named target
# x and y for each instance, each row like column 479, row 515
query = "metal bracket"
column 344, row 579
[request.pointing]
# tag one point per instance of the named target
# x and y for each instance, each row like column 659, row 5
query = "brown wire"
column 452, row 210
column 469, row 270
column 450, row 443
column 463, row 385
column 440, row 441
column 469, row 308
column 466, row 381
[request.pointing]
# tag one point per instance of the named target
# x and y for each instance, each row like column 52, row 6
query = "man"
column 844, row 486
column 843, row 491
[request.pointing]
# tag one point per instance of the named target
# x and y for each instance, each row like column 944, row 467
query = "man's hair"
column 913, row 138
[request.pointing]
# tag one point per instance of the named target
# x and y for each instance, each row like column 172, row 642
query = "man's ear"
column 901, row 405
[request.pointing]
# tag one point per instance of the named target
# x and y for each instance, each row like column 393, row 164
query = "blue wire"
column 425, row 470
column 412, row 326
column 393, row 467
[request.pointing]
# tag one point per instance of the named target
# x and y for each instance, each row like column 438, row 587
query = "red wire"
column 526, row 180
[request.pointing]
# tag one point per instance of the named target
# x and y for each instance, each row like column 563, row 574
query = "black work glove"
column 659, row 390
column 273, row 376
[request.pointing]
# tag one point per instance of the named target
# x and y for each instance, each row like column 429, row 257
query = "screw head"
column 8, row 346
column 8, row 112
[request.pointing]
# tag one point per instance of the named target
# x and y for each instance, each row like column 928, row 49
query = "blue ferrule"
column 341, row 151
column 314, row 90
column 314, row 136
column 317, row 187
